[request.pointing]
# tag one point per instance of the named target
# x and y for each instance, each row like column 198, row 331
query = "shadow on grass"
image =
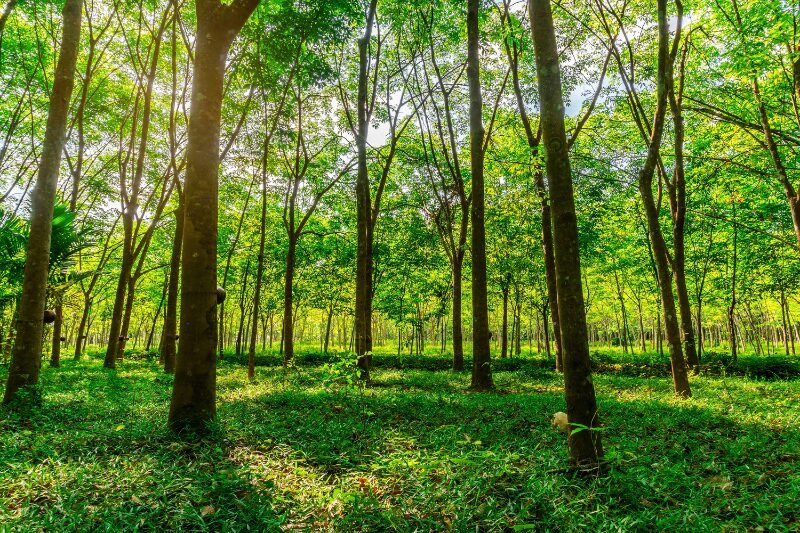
column 99, row 453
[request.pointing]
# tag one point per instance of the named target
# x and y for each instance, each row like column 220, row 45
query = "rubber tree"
column 363, row 310
column 25, row 356
column 481, row 356
column 585, row 446
column 645, row 181
column 193, row 402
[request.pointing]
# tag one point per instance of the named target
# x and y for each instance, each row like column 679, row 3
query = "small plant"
column 343, row 370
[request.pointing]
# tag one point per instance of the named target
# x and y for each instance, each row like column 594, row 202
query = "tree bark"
column 363, row 311
column 328, row 330
column 80, row 340
column 586, row 451
column 458, row 334
column 678, row 206
column 171, row 313
column 481, row 356
column 55, row 342
column 504, row 334
column 288, row 301
column 533, row 139
column 193, row 403
column 732, row 306
column 660, row 253
column 7, row 8
column 25, row 356
column 251, row 352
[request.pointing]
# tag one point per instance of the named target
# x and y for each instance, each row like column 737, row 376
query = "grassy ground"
column 299, row 449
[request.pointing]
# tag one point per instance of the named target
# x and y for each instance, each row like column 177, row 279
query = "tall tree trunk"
column 586, row 450
column 7, row 8
column 120, row 320
column 194, row 392
column 621, row 296
column 228, row 267
column 481, row 356
column 363, row 312
column 25, row 357
column 534, row 139
column 660, row 254
column 678, row 207
column 518, row 336
column 130, row 294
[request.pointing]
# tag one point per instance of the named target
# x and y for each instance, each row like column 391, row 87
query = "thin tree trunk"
column 504, row 334
column 80, row 341
column 481, row 356
column 158, row 314
column 458, row 335
column 171, row 314
column 251, row 352
column 328, row 330
column 660, row 254
column 586, row 451
column 288, row 298
column 732, row 306
column 678, row 208
column 55, row 349
column 363, row 315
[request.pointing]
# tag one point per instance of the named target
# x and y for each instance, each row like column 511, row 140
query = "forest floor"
column 300, row 448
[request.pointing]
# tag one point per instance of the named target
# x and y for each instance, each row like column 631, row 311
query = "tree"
column 481, row 357
column 25, row 361
column 585, row 446
column 194, row 392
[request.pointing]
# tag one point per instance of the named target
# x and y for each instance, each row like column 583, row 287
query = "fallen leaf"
column 207, row 510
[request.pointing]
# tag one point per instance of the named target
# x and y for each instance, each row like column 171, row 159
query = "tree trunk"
column 80, row 340
column 25, row 357
column 251, row 352
column 194, row 392
column 130, row 293
column 363, row 313
column 328, row 330
column 171, row 314
column 157, row 314
column 458, row 335
column 547, row 232
column 242, row 314
column 586, row 451
column 55, row 349
column 678, row 208
column 481, row 356
column 504, row 334
column 732, row 307
column 288, row 298
column 7, row 8
column 660, row 254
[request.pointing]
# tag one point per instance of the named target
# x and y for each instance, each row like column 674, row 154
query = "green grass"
column 414, row 452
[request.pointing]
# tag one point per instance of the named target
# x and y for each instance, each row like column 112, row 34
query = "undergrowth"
column 305, row 448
